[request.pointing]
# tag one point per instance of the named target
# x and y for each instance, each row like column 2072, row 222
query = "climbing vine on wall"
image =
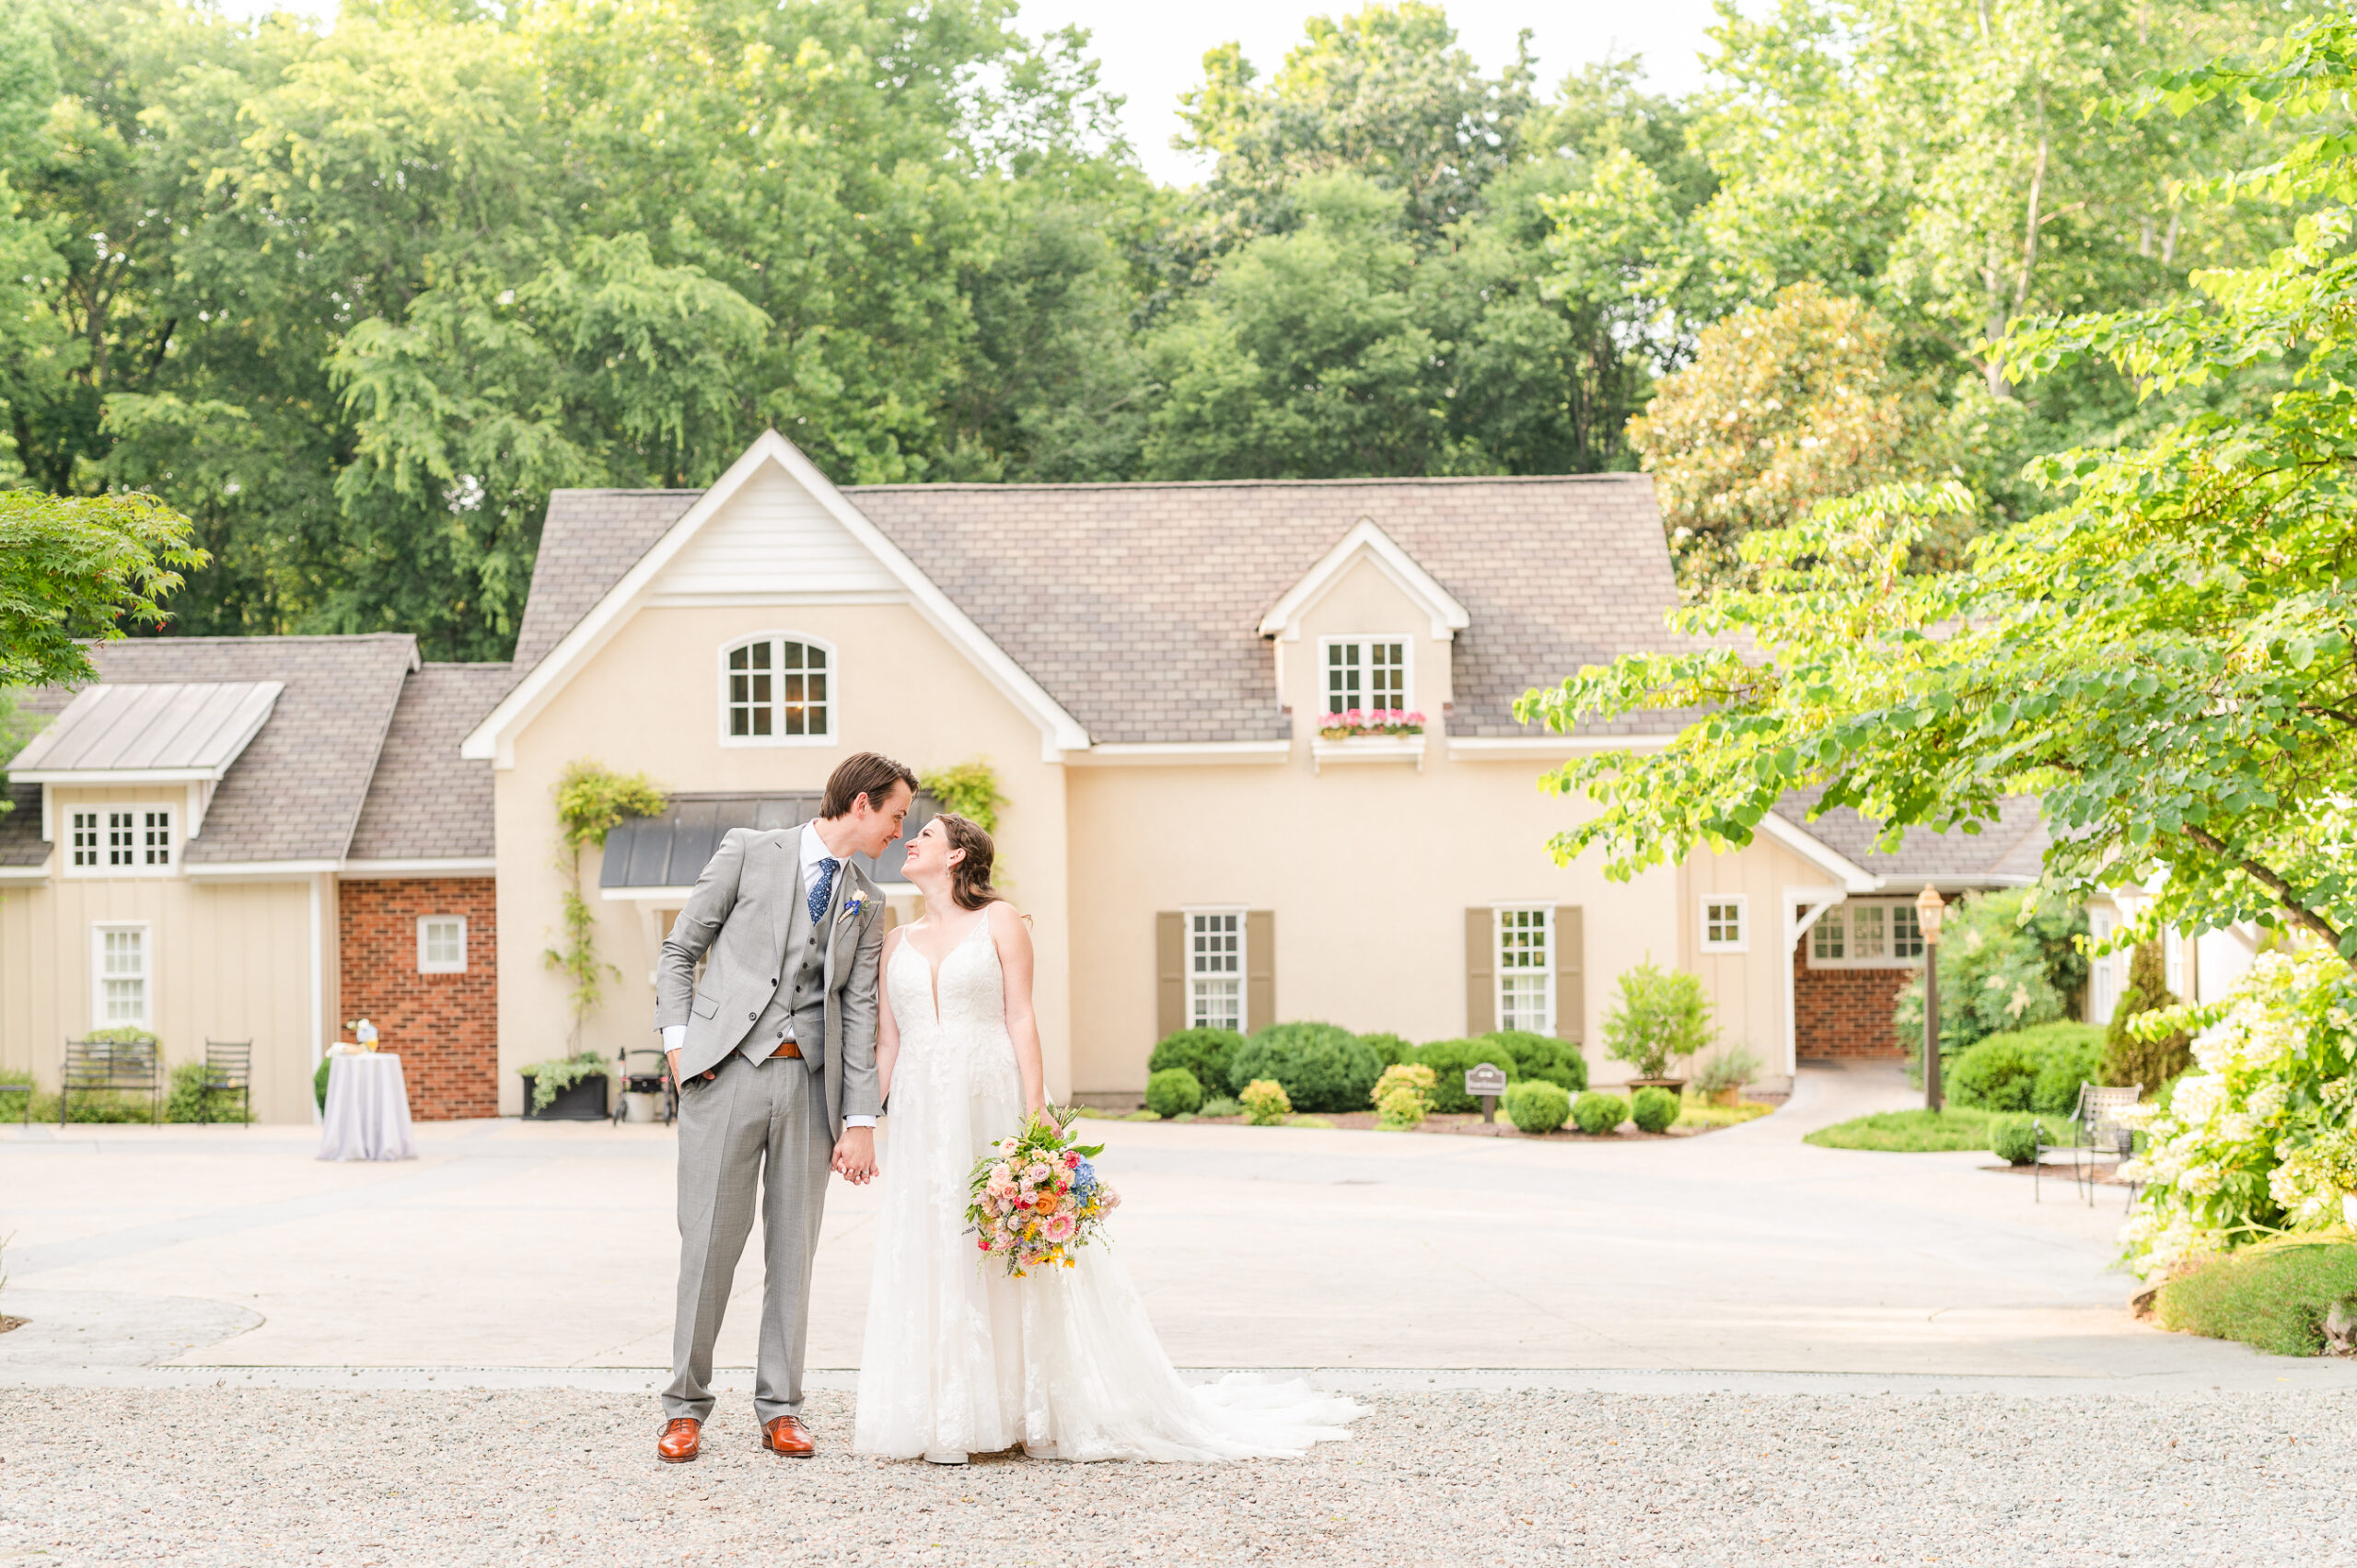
column 968, row 790
column 590, row 800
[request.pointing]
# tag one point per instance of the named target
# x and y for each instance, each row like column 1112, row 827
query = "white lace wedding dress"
column 960, row 1358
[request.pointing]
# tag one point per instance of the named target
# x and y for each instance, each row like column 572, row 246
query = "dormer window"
column 1365, row 673
column 121, row 841
column 777, row 690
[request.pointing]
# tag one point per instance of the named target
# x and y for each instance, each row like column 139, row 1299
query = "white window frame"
column 1840, row 922
column 99, row 931
column 1362, row 641
column 1507, row 1011
column 426, row 962
column 832, row 701
column 1199, row 980
column 2173, row 962
column 121, row 839
column 2102, row 974
column 1739, row 904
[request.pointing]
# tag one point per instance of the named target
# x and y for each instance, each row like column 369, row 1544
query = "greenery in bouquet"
column 1036, row 1199
column 2249, row 1144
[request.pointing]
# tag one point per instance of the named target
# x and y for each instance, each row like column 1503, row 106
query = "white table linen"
column 368, row 1112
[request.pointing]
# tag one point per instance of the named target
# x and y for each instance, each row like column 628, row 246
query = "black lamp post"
column 1928, row 907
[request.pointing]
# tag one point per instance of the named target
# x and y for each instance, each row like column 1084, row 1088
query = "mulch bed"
column 1470, row 1125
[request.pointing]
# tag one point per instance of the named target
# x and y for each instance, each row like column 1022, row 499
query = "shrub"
column 1322, row 1067
column 1541, row 1056
column 1389, row 1049
column 185, row 1101
column 2274, row 1296
column 1659, row 1016
column 2026, row 1070
column 1221, row 1105
column 2013, row 1139
column 1653, row 1110
column 1173, row 1091
column 1204, row 1052
column 319, row 1084
column 1403, row 1095
column 1597, row 1112
column 1998, row 973
column 1537, row 1105
column 2128, row 1056
column 1725, row 1073
column 1448, row 1059
column 1265, row 1104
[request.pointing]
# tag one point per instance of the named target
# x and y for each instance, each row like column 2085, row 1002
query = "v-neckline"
column 933, row 970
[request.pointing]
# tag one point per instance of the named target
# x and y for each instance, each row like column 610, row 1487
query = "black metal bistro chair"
column 656, row 1081
column 2097, row 1134
column 110, row 1066
column 228, row 1069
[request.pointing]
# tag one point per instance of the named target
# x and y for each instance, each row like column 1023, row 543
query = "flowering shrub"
column 2246, row 1146
column 1265, row 1103
column 1403, row 1095
column 1370, row 721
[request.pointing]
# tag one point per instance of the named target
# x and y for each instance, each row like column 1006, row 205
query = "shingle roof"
column 21, row 840
column 1113, row 597
column 2010, row 849
column 295, row 792
column 425, row 803
column 588, row 541
column 188, row 727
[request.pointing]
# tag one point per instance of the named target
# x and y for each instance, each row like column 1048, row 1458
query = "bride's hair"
column 970, row 879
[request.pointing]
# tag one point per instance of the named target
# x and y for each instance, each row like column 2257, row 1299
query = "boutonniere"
column 854, row 903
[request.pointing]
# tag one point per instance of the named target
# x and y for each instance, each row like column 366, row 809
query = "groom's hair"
column 866, row 773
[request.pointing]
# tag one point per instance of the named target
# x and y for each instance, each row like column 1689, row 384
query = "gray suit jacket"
column 739, row 913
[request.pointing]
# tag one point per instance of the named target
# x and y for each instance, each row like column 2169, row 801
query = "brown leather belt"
column 788, row 1048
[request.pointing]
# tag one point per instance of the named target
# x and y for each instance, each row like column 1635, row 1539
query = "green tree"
column 2129, row 1057
column 73, row 568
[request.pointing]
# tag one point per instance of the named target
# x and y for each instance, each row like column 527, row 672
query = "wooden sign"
column 1485, row 1080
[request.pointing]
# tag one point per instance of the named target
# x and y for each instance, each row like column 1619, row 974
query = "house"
column 268, row 836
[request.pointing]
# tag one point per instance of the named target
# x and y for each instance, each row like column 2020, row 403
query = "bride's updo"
column 970, row 876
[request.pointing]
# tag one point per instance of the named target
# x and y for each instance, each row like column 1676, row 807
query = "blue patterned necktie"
column 826, row 885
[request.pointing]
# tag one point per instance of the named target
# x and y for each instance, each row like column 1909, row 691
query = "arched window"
column 777, row 690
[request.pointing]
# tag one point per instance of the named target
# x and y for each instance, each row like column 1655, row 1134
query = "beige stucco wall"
column 649, row 700
column 229, row 961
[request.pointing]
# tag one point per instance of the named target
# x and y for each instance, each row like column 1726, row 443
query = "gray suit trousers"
column 753, row 1133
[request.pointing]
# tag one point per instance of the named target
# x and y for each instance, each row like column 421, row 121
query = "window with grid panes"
column 122, row 969
column 1215, row 970
column 129, row 840
column 1723, row 925
column 1868, row 934
column 1365, row 674
column 778, row 689
column 1525, row 970
column 442, row 943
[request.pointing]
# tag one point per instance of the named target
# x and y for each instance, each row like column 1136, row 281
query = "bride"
column 960, row 1359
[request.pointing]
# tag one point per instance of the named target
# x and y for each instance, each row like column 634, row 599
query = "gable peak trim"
column 1366, row 542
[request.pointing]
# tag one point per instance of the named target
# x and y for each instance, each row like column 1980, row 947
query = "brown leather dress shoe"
column 787, row 1436
column 683, row 1440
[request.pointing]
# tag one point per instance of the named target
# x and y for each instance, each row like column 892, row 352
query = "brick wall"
column 444, row 1027
column 1845, row 1011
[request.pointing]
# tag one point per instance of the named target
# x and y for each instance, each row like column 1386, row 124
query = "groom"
column 774, row 1053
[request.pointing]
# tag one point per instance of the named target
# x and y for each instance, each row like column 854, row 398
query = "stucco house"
column 318, row 829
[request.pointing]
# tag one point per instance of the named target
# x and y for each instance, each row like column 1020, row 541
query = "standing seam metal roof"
column 182, row 726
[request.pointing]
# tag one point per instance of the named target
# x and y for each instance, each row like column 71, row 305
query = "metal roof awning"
column 178, row 732
column 649, row 856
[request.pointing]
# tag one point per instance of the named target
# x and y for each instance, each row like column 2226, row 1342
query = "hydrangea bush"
column 2246, row 1146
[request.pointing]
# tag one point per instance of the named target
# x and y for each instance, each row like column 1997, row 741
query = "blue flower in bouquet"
column 1084, row 1181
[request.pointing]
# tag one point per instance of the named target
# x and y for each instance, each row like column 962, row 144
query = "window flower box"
column 1354, row 723
column 1371, row 747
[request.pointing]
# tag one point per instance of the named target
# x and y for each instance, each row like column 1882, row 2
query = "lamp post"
column 1927, row 908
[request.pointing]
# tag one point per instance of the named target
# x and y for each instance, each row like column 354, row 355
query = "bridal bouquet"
column 1037, row 1198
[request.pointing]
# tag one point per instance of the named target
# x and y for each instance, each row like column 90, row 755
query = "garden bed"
column 1473, row 1126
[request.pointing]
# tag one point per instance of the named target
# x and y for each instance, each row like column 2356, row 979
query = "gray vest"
column 797, row 1009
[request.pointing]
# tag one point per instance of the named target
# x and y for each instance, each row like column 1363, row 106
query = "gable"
column 773, row 538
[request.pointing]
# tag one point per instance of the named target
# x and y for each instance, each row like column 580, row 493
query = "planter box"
column 584, row 1101
column 1367, row 748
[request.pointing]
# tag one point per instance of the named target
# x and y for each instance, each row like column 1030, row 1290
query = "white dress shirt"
column 814, row 850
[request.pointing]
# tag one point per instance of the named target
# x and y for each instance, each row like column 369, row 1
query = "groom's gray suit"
column 766, row 1124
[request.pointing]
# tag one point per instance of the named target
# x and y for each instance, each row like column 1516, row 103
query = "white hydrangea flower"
column 2200, row 1180
column 2268, row 1100
column 2238, row 1127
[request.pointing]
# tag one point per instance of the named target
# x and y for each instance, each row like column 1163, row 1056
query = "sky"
column 1151, row 53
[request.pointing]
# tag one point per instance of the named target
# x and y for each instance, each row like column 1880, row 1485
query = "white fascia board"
column 1855, row 878
column 260, row 870
column 449, row 865
column 23, row 875
column 1481, row 747
column 1181, row 753
column 110, row 778
column 1449, row 616
column 492, row 739
column 661, row 895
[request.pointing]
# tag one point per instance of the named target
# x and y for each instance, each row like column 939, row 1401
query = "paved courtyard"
column 1735, row 1348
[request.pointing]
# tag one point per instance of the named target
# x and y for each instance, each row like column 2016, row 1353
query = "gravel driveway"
column 554, row 1476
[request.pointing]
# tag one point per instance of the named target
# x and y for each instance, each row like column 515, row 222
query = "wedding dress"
column 960, row 1358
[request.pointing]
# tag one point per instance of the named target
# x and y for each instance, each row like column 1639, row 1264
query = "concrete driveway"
column 534, row 1246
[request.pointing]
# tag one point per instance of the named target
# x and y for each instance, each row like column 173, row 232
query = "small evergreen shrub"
column 1403, row 1095
column 1322, row 1066
column 2026, row 1070
column 1173, row 1091
column 1204, row 1052
column 1265, row 1104
column 2014, row 1140
column 1597, row 1113
column 185, row 1101
column 1653, row 1110
column 1448, row 1059
column 319, row 1084
column 1221, row 1105
column 2128, row 1057
column 1399, row 1110
column 1389, row 1049
column 1538, row 1106
column 1541, row 1056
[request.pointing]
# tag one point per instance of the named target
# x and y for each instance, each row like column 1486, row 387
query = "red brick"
column 444, row 1027
column 1845, row 1011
